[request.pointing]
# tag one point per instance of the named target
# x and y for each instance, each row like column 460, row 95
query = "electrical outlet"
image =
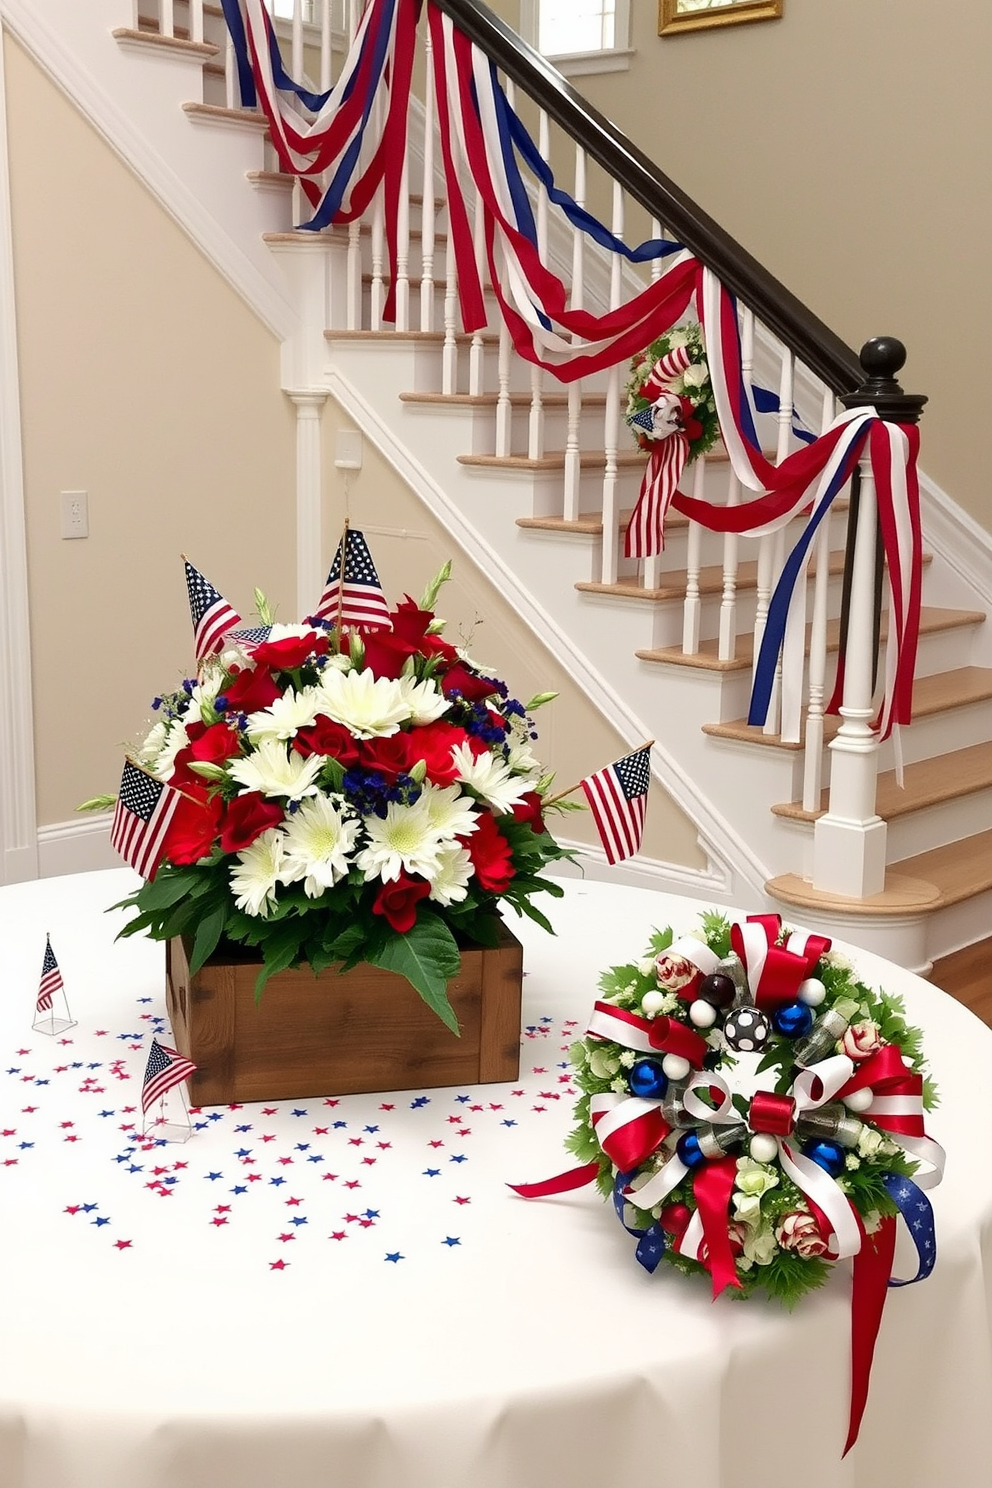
column 75, row 514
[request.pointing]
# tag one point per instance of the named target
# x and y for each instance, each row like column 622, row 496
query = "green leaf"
column 428, row 957
column 165, row 890
column 208, row 933
column 98, row 803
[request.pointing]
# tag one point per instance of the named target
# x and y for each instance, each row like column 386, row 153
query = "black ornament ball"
column 718, row 988
column 746, row 1030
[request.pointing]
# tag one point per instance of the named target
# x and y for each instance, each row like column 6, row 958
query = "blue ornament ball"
column 687, row 1148
column 793, row 1019
column 647, row 1079
column 827, row 1155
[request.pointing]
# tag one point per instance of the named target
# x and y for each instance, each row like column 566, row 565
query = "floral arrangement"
column 764, row 1188
column 669, row 392
column 347, row 795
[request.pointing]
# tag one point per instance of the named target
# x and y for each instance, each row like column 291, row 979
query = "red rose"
column 391, row 755
column 291, row 652
column 251, row 690
column 191, row 832
column 491, row 854
column 211, row 745
column 691, row 426
column 324, row 736
column 433, row 743
column 246, row 818
column 398, row 901
column 410, row 622
column 529, row 809
column 433, row 645
column 386, row 653
column 473, row 688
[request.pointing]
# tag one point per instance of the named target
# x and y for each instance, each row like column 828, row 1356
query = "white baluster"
column 378, row 259
column 449, row 355
column 573, row 464
column 354, row 276
column 326, row 46
column 813, row 759
column 656, row 263
column 232, row 95
column 428, row 211
column 727, row 648
column 691, row 613
column 611, row 422
column 785, row 399
column 196, row 20
column 849, row 840
column 297, row 50
column 402, row 312
column 535, row 425
column 166, row 18
column 477, row 350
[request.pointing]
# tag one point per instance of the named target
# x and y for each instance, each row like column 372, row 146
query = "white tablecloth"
column 346, row 1294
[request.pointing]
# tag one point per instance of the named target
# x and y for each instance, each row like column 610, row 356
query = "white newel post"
column 309, row 562
column 849, row 840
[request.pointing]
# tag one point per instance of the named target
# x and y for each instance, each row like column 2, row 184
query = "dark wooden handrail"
column 802, row 331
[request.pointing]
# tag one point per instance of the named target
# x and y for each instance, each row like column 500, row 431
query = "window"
column 579, row 35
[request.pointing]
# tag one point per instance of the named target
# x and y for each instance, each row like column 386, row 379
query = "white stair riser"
column 936, row 826
column 926, row 738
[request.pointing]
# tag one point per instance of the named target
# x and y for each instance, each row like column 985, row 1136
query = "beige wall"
column 849, row 147
column 409, row 545
column 146, row 382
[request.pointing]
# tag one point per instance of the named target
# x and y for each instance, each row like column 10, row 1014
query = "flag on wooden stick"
column 618, row 798
column 211, row 614
column 353, row 594
column 145, row 807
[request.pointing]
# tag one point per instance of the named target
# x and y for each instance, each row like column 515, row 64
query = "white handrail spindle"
column 232, row 97
column 611, row 420
column 727, row 644
column 691, row 612
column 573, row 463
column 167, row 24
column 477, row 350
column 449, row 353
column 402, row 286
column 535, row 422
column 297, row 48
column 428, row 208
column 196, row 20
column 326, row 46
column 785, row 403
column 813, row 757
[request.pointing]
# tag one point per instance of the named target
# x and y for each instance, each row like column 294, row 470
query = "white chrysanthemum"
column 371, row 707
column 282, row 718
column 522, row 760
column 425, row 700
column 154, row 742
column 276, row 771
column 338, row 660
column 256, row 876
column 319, row 841
column 450, row 882
column 490, row 777
column 404, row 838
column 449, row 812
column 165, row 761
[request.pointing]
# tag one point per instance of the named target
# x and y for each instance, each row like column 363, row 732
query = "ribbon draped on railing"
column 358, row 138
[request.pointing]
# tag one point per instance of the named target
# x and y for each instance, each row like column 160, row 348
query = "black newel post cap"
column 881, row 359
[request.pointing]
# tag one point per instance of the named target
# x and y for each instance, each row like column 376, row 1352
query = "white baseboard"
column 76, row 846
column 645, row 873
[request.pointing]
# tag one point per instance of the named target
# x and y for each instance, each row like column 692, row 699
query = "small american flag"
column 255, row 635
column 145, row 807
column 166, row 1067
column 361, row 598
column 51, row 979
column 211, row 614
column 618, row 797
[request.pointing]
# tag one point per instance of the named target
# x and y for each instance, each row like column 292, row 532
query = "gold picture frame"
column 690, row 15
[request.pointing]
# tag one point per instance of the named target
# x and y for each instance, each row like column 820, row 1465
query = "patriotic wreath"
column 764, row 1185
column 352, row 788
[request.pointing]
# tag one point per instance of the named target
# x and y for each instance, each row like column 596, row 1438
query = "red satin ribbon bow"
column 776, row 974
column 886, row 1075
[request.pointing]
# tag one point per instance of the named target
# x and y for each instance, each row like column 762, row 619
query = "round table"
column 346, row 1294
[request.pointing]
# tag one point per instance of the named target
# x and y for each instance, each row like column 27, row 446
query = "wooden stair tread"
column 901, row 895
column 216, row 113
column 945, row 777
column 939, row 693
column 960, row 870
column 710, row 581
column 271, row 178
column 590, row 524
column 180, row 43
column 435, row 338
column 336, row 231
column 932, row 620
column 588, row 460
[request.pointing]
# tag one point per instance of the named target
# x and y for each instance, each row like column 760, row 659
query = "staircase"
column 536, row 485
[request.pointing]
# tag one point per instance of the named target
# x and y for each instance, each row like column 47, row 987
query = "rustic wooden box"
column 340, row 1034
